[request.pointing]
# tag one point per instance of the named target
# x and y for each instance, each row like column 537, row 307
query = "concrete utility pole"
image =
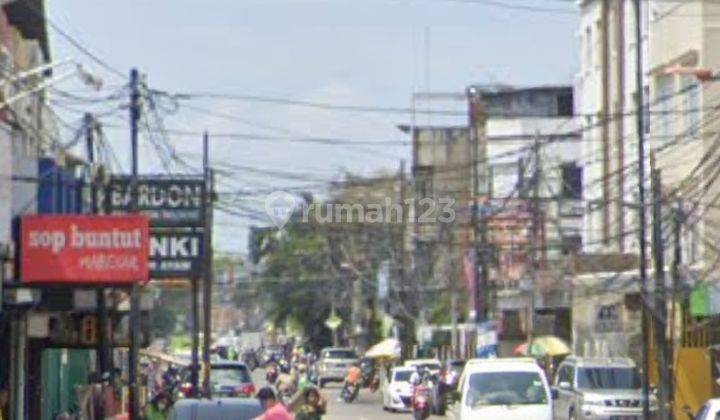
column 537, row 175
column 208, row 266
column 640, row 127
column 134, row 389
column 660, row 315
column 479, row 224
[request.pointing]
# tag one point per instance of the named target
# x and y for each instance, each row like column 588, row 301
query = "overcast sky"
column 368, row 52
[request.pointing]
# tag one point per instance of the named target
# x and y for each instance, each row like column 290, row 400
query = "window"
column 691, row 99
column 402, row 376
column 505, row 388
column 564, row 375
column 571, row 187
column 664, row 86
column 340, row 354
column 230, row 375
column 608, row 378
column 565, row 105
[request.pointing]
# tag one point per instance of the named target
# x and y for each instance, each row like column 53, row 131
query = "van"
column 508, row 389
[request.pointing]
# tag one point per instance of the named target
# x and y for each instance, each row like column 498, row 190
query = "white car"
column 432, row 365
column 508, row 389
column 397, row 391
column 709, row 411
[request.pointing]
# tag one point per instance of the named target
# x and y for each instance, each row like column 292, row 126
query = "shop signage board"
column 83, row 249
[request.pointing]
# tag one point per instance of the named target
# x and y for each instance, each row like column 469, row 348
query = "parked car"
column 709, row 411
column 508, row 389
column 231, row 379
column 216, row 409
column 334, row 363
column 397, row 391
column 588, row 388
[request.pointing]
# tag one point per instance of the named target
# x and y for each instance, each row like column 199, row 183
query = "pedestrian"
column 314, row 405
column 4, row 403
column 273, row 409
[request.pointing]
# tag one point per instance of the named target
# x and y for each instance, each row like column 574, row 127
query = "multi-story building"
column 494, row 155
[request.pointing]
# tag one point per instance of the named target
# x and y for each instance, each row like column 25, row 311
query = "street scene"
column 373, row 210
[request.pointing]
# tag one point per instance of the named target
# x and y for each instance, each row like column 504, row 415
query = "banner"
column 168, row 202
column 470, row 274
column 175, row 254
column 84, row 249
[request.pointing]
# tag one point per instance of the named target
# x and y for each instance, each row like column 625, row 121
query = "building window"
column 565, row 105
column 571, row 181
column 588, row 48
column 691, row 96
column 664, row 103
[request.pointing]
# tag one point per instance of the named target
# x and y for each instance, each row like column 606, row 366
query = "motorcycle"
column 421, row 403
column 271, row 375
column 250, row 359
column 350, row 392
column 284, row 365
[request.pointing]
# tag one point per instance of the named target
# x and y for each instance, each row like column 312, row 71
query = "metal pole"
column 660, row 313
column 134, row 394
column 104, row 345
column 194, row 359
column 640, row 120
column 208, row 266
column 479, row 278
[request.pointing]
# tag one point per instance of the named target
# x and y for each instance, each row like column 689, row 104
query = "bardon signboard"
column 84, row 249
column 168, row 202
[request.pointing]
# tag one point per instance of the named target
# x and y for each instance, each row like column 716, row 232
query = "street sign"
column 168, row 202
column 84, row 249
column 175, row 254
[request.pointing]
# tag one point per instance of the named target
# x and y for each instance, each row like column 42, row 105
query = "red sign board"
column 84, row 249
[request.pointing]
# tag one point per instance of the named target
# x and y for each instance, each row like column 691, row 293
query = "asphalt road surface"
column 368, row 406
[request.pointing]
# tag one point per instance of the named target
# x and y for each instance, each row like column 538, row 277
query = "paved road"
column 368, row 406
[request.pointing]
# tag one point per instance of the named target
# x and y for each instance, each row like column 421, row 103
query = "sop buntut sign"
column 84, row 249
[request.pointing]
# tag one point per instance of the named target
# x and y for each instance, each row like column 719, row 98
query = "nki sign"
column 72, row 249
column 175, row 254
column 168, row 202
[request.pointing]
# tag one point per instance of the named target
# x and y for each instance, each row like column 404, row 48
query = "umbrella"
column 521, row 350
column 389, row 348
column 548, row 345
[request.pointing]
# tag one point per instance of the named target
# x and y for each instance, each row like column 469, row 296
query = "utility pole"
column 407, row 291
column 104, row 347
column 640, row 127
column 195, row 350
column 678, row 219
column 208, row 266
column 660, row 313
column 537, row 174
column 479, row 225
column 134, row 389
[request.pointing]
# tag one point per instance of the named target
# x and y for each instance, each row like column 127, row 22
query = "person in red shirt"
column 274, row 410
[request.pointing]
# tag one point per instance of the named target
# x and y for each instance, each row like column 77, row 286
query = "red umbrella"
column 521, row 350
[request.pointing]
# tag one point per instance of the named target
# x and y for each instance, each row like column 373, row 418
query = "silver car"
column 592, row 389
column 334, row 363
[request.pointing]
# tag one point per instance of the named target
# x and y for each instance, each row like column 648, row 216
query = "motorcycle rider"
column 353, row 378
